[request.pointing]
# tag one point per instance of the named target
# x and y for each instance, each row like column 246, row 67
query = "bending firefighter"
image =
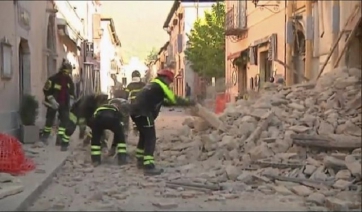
column 108, row 117
column 133, row 89
column 145, row 109
column 83, row 107
column 59, row 97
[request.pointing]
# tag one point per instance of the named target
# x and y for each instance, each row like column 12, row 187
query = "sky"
column 139, row 25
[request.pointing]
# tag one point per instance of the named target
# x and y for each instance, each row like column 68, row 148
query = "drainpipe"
column 335, row 29
column 289, row 41
column 309, row 40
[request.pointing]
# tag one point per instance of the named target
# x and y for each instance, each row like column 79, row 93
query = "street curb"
column 39, row 189
column 35, row 183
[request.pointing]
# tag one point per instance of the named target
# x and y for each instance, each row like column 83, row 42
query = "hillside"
column 138, row 25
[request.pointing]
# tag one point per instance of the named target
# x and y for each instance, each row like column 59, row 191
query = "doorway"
column 24, row 68
column 299, row 53
column 242, row 80
column 265, row 68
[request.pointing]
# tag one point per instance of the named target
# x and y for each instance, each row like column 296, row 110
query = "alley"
column 79, row 187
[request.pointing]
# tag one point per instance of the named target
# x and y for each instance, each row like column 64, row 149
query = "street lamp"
column 274, row 7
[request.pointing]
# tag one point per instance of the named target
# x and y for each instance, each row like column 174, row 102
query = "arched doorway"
column 299, row 52
column 51, row 46
column 24, row 68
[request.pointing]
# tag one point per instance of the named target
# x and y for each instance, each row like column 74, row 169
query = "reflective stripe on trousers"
column 65, row 138
column 148, row 159
column 96, row 150
column 121, row 148
column 139, row 153
column 61, row 131
column 47, row 129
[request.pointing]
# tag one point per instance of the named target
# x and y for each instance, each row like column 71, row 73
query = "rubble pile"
column 305, row 138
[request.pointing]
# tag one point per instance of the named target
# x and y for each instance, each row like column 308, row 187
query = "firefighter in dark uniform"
column 75, row 115
column 107, row 117
column 144, row 111
column 133, row 89
column 59, row 97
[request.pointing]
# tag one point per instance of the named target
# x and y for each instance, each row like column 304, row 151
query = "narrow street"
column 80, row 187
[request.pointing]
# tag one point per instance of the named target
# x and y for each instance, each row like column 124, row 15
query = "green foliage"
column 28, row 110
column 206, row 45
column 152, row 55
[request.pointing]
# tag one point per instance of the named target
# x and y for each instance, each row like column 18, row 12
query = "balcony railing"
column 235, row 20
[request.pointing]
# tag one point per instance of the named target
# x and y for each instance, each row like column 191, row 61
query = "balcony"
column 235, row 20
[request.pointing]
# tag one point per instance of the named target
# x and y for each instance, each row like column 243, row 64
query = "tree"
column 206, row 45
column 152, row 55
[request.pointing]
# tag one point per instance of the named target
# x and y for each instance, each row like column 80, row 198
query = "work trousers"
column 70, row 128
column 147, row 139
column 50, row 116
column 107, row 120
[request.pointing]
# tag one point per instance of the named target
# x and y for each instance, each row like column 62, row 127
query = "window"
column 6, row 58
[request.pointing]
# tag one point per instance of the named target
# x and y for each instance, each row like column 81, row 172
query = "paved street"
column 80, row 187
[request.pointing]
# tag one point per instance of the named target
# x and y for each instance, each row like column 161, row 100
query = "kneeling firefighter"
column 108, row 117
column 59, row 97
column 133, row 89
column 77, row 115
column 144, row 111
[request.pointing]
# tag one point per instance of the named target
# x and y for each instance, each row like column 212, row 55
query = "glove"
column 54, row 103
column 71, row 102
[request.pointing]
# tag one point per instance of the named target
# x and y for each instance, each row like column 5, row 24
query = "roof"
column 176, row 5
column 113, row 29
column 163, row 47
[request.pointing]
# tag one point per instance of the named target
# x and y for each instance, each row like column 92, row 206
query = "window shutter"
column 272, row 51
column 253, row 55
column 179, row 43
column 242, row 14
column 96, row 26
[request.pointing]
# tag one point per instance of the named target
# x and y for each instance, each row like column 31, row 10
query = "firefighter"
column 145, row 109
column 108, row 117
column 132, row 89
column 124, row 109
column 59, row 97
column 75, row 115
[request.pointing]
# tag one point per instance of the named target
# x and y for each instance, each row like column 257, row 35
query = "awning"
column 68, row 32
column 235, row 54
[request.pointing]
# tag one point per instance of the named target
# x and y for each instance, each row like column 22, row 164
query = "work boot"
column 58, row 142
column 140, row 163
column 122, row 159
column 96, row 160
column 151, row 170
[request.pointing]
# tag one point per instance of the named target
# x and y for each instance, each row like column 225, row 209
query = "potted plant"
column 28, row 114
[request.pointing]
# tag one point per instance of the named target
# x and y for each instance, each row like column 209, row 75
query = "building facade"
column 252, row 45
column 290, row 40
column 178, row 24
column 27, row 40
column 36, row 36
column 110, row 60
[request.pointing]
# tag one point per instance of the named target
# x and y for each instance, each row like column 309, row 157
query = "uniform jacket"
column 53, row 87
column 133, row 89
column 149, row 100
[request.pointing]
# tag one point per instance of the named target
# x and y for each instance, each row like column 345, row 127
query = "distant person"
column 188, row 91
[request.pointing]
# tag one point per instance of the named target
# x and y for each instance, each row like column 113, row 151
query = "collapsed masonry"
column 305, row 138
